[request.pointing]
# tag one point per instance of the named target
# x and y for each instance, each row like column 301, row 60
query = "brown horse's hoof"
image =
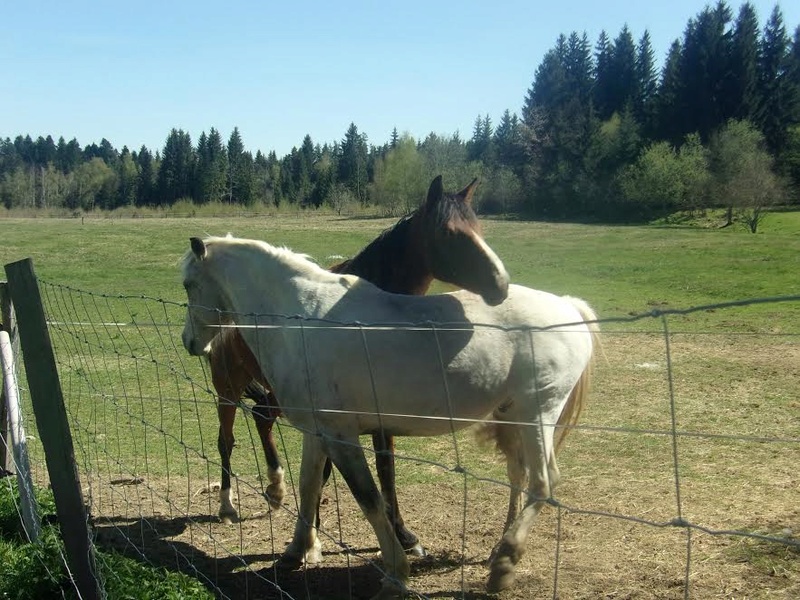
column 417, row 551
column 274, row 495
column 501, row 576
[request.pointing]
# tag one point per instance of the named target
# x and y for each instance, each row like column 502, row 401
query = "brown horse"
column 440, row 240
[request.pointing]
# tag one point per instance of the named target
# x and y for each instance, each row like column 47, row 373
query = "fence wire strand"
column 142, row 411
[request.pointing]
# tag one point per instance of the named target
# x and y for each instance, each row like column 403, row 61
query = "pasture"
column 148, row 456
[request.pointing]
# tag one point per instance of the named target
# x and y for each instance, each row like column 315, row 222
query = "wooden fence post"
column 53, row 426
column 10, row 326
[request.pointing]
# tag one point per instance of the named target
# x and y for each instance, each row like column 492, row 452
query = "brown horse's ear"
column 467, row 193
column 198, row 247
column 436, row 191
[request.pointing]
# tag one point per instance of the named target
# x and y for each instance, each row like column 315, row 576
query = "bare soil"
column 736, row 404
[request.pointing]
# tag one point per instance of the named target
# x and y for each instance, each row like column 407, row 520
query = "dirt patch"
column 626, row 485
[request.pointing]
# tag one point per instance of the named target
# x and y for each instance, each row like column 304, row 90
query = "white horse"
column 346, row 358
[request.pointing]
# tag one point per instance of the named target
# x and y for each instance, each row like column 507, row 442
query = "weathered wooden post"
column 53, row 426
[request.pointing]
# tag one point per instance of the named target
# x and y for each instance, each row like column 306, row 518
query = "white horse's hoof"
column 417, row 551
column 314, row 555
column 228, row 518
column 501, row 576
column 292, row 558
column 391, row 590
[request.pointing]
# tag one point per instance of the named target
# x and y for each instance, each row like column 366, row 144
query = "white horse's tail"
column 577, row 397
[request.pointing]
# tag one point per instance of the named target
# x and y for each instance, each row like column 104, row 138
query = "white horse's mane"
column 230, row 240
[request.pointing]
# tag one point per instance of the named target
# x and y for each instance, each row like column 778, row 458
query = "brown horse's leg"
column 264, row 414
column 226, row 411
column 384, row 463
column 229, row 379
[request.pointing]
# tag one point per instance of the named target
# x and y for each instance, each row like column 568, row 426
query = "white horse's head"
column 208, row 306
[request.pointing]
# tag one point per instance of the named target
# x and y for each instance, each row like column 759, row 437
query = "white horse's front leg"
column 305, row 545
column 348, row 456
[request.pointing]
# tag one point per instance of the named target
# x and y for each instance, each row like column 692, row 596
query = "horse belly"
column 421, row 383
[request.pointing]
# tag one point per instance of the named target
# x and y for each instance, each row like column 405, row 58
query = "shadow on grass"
column 150, row 541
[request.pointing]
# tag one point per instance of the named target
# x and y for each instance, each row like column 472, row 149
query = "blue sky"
column 131, row 71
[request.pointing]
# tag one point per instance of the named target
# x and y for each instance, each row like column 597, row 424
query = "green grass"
column 619, row 270
column 142, row 407
column 35, row 571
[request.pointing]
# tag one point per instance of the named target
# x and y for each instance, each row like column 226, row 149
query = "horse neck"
column 394, row 261
column 271, row 284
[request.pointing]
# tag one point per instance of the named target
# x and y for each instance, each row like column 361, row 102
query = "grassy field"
column 144, row 416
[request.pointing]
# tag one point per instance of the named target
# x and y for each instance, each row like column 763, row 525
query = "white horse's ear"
column 198, row 247
column 436, row 191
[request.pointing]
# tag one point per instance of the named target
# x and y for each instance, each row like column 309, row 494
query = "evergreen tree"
column 704, row 71
column 603, row 77
column 127, row 179
column 68, row 155
column 145, row 189
column 352, row 163
column 669, row 116
column 741, row 95
column 646, row 85
column 212, row 168
column 508, row 142
column 480, row 147
column 774, row 85
column 177, row 168
column 395, row 138
column 44, row 151
column 559, row 119
column 793, row 76
column 240, row 171
column 624, row 89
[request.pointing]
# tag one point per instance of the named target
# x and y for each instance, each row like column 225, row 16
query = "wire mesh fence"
column 682, row 469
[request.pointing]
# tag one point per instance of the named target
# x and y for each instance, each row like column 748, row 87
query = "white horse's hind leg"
column 507, row 438
column 305, row 545
column 511, row 547
column 348, row 456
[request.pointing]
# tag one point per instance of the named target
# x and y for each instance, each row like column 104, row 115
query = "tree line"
column 601, row 135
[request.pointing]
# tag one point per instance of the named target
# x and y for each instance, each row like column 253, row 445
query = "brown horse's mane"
column 395, row 260
column 378, row 261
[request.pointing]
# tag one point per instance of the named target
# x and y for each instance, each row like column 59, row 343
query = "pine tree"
column 646, row 85
column 177, row 168
column 147, row 178
column 508, row 142
column 603, row 78
column 623, row 72
column 235, row 150
column 669, row 116
column 352, row 163
column 559, row 122
column 741, row 96
column 774, row 85
column 704, row 71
